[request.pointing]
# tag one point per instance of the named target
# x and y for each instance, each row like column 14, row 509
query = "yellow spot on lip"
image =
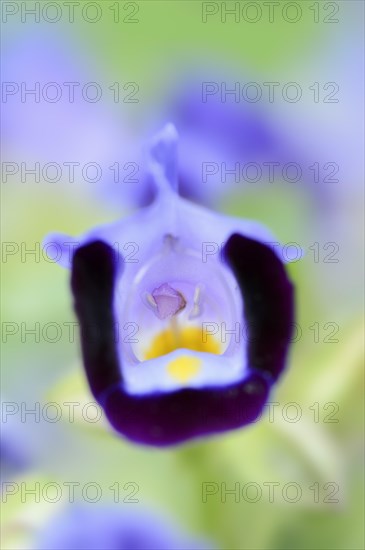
column 184, row 368
column 193, row 338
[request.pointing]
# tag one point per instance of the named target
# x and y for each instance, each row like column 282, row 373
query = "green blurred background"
column 322, row 452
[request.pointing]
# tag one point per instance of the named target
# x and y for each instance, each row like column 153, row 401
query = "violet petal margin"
column 269, row 302
column 162, row 419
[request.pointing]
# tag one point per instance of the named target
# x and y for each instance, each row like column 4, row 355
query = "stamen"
column 170, row 241
column 197, row 307
column 151, row 301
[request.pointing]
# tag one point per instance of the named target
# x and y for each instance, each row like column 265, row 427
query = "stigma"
column 166, row 301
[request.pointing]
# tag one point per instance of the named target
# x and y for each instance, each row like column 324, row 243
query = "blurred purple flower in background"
column 178, row 375
column 227, row 143
column 56, row 114
column 13, row 457
column 95, row 527
column 48, row 117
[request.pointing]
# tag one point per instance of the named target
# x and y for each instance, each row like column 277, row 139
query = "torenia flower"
column 203, row 307
column 232, row 146
column 13, row 457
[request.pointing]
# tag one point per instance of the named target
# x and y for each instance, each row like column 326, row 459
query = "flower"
column 229, row 145
column 204, row 335
column 13, row 458
column 50, row 87
column 88, row 527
